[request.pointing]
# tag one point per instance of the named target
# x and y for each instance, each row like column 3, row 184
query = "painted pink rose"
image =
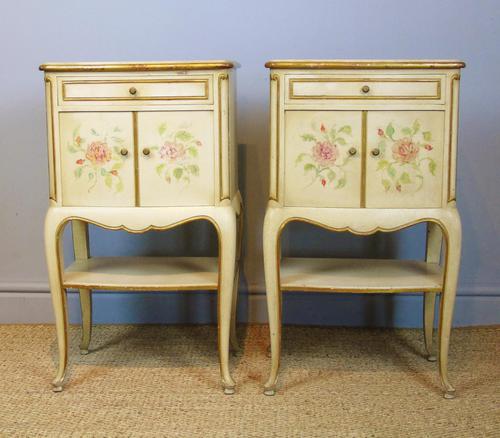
column 172, row 151
column 98, row 153
column 325, row 153
column 404, row 150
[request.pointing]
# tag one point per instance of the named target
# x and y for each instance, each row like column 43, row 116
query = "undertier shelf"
column 143, row 273
column 359, row 275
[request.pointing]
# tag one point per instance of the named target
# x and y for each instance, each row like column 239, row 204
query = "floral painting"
column 327, row 156
column 177, row 153
column 98, row 158
column 405, row 157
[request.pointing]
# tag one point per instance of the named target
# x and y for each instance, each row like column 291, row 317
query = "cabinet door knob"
column 132, row 90
column 146, row 151
column 352, row 151
column 365, row 89
column 375, row 152
column 124, row 152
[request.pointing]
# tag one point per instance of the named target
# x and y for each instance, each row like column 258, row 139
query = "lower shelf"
column 143, row 273
column 359, row 275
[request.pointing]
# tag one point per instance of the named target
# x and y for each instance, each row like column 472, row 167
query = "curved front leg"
column 272, row 223
column 54, row 264
column 453, row 248
column 226, row 223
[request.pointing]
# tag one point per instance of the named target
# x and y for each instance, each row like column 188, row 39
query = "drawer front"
column 322, row 158
column 175, row 158
column 183, row 90
column 97, row 159
column 364, row 88
column 405, row 159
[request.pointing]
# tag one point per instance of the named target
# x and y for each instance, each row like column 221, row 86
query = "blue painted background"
column 251, row 33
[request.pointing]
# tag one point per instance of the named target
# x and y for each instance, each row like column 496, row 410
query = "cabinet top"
column 136, row 66
column 367, row 64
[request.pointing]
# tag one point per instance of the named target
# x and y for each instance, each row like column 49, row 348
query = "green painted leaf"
column 341, row 183
column 78, row 172
column 116, row 149
column 104, row 172
column 118, row 140
column 341, row 141
column 391, row 171
column 94, row 132
column 76, row 131
column 119, row 186
column 406, row 131
column 382, row 164
column 91, row 176
column 183, row 135
column 346, row 128
column 72, row 149
column 108, row 180
column 308, row 137
column 308, row 167
column 193, row 151
column 387, row 184
column 178, row 171
column 333, row 134
column 389, row 130
column 194, row 169
column 117, row 166
column 117, row 129
column 331, row 175
column 405, row 178
column 432, row 166
column 416, row 126
column 159, row 168
column 427, row 135
column 162, row 128
column 300, row 158
column 382, row 145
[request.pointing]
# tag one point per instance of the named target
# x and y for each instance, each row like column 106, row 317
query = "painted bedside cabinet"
column 365, row 146
column 142, row 146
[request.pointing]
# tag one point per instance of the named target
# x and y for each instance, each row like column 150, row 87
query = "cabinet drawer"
column 132, row 90
column 365, row 88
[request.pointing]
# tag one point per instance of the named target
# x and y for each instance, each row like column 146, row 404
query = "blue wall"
column 251, row 33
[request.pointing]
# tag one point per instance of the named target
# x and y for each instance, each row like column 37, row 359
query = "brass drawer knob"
column 365, row 89
column 124, row 152
column 375, row 152
column 352, row 151
column 146, row 151
column 132, row 90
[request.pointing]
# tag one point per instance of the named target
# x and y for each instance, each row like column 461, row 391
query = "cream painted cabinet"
column 365, row 147
column 140, row 146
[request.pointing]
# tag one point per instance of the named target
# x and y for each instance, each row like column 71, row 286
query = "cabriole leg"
column 447, row 303
column 433, row 255
column 81, row 250
column 273, row 295
column 227, row 253
column 52, row 252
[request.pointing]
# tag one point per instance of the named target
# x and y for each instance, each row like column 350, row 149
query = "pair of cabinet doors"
column 373, row 159
column 168, row 153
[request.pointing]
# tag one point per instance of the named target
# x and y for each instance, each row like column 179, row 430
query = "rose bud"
column 398, row 187
column 380, row 132
column 323, row 182
column 323, row 129
column 114, row 172
column 428, row 147
column 80, row 161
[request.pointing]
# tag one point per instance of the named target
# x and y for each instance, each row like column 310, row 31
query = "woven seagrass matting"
column 164, row 381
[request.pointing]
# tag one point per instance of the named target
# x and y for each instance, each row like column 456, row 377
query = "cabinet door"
column 322, row 158
column 176, row 158
column 97, row 154
column 405, row 159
